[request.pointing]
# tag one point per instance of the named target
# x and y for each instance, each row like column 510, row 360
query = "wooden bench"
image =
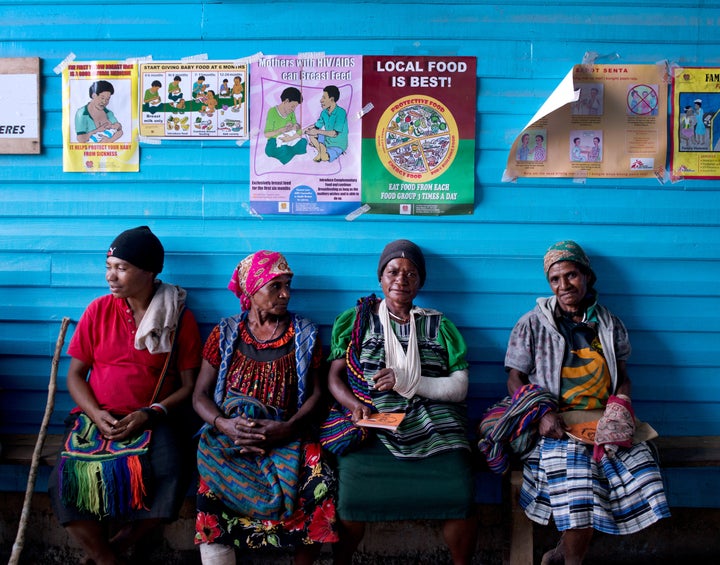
column 674, row 452
column 18, row 449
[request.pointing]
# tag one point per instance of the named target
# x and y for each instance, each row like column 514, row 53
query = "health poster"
column 695, row 140
column 603, row 121
column 193, row 100
column 419, row 136
column 99, row 120
column 305, row 137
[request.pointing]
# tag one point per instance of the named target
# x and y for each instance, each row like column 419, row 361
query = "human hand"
column 129, row 426
column 252, row 434
column 384, row 379
column 275, row 432
column 359, row 412
column 552, row 425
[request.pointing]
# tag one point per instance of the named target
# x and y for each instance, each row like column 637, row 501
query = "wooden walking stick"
column 50, row 405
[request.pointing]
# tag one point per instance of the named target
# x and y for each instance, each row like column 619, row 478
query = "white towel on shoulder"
column 161, row 319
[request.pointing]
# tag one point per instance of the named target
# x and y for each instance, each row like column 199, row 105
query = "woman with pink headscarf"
column 263, row 482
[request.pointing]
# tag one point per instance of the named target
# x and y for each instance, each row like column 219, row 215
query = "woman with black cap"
column 390, row 356
column 134, row 358
column 574, row 350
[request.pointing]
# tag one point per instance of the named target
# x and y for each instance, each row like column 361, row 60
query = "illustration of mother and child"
column 693, row 131
column 95, row 122
column 286, row 137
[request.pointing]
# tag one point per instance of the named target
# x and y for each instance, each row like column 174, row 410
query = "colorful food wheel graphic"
column 417, row 138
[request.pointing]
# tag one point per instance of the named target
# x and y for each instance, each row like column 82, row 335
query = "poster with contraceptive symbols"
column 99, row 120
column 602, row 121
column 305, row 134
column 695, row 139
column 193, row 100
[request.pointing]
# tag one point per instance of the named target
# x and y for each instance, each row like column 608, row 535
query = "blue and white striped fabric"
column 620, row 495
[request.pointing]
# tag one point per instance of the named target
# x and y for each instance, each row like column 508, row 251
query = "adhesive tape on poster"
column 250, row 210
column 666, row 70
column 64, row 63
column 369, row 106
column 199, row 57
column 149, row 140
column 250, row 59
column 358, row 212
column 139, row 60
column 311, row 55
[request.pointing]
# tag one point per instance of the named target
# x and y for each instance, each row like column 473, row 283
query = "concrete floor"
column 690, row 536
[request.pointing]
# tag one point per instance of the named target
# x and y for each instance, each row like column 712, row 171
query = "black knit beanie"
column 407, row 250
column 139, row 246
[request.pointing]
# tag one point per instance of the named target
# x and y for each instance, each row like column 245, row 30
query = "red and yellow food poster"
column 419, row 135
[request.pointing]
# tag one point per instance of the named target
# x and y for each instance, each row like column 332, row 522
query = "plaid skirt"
column 621, row 495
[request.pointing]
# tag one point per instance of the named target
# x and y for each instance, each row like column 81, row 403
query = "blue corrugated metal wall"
column 656, row 248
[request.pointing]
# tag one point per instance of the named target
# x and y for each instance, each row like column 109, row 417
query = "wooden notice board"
column 20, row 105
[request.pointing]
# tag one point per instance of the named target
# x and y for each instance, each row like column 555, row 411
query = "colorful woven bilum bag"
column 262, row 487
column 104, row 477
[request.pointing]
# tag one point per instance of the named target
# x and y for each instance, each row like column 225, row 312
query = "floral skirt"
column 313, row 521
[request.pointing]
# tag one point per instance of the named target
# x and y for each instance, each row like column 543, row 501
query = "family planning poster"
column 695, row 109
column 604, row 121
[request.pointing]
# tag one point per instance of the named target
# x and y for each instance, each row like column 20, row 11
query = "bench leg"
column 521, row 540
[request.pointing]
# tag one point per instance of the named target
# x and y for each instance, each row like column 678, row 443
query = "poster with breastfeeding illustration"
column 99, row 119
column 305, row 135
column 695, row 140
column 193, row 100
column 602, row 121
column 419, row 136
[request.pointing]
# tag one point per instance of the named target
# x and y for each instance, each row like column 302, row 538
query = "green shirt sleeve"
column 341, row 334
column 454, row 344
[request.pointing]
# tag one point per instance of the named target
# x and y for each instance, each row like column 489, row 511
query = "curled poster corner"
column 250, row 210
column 369, row 106
column 357, row 212
column 60, row 67
column 198, row 57
column 507, row 177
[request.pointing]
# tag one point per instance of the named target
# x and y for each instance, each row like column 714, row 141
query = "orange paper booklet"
column 583, row 431
column 384, row 420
